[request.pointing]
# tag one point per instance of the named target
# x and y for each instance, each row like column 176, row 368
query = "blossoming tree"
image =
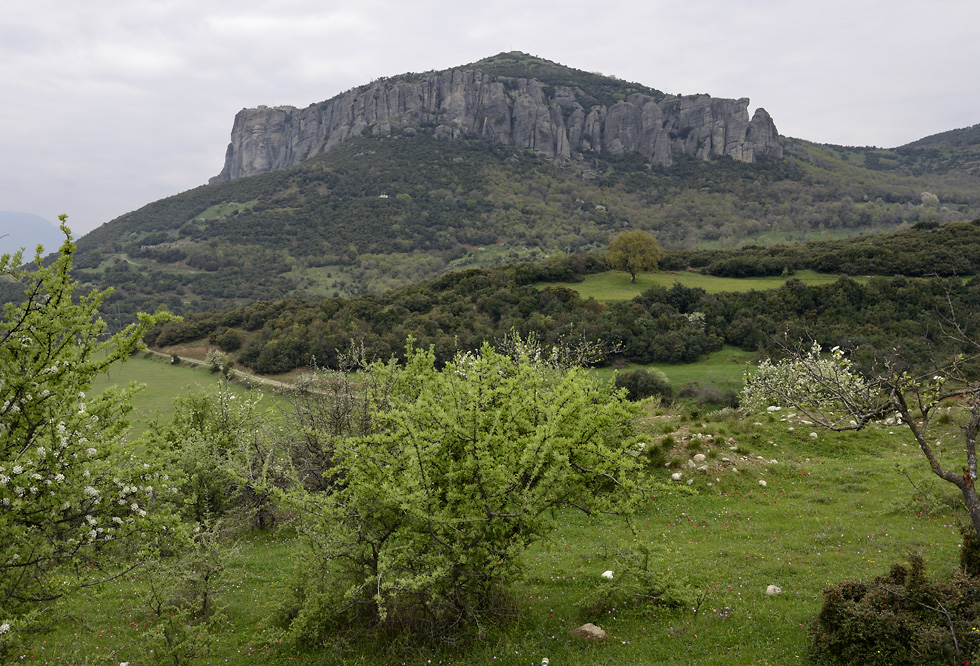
column 830, row 392
column 67, row 487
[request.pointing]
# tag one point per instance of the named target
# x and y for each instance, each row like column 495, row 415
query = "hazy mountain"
column 26, row 231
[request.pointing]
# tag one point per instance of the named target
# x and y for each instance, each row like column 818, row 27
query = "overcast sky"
column 107, row 105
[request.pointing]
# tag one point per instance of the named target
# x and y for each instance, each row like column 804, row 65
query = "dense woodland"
column 674, row 325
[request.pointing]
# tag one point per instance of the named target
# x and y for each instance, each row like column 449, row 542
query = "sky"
column 108, row 105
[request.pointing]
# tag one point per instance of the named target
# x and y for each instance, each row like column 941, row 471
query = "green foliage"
column 640, row 384
column 639, row 583
column 633, row 252
column 899, row 618
column 72, row 501
column 181, row 602
column 209, row 450
column 428, row 516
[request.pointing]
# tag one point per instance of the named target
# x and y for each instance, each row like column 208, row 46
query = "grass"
column 836, row 506
column 615, row 285
column 723, row 368
column 164, row 382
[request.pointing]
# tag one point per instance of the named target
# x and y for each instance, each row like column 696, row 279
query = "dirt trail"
column 239, row 374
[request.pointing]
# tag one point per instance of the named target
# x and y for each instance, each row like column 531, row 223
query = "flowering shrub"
column 67, row 488
column 813, row 379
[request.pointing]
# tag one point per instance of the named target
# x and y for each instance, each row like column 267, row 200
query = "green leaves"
column 430, row 514
column 66, row 487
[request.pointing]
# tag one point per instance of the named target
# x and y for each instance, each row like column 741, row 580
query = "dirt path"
column 240, row 375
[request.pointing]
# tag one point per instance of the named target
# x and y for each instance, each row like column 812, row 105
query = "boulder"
column 588, row 631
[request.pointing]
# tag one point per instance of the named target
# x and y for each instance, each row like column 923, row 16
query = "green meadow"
column 162, row 382
column 723, row 368
column 832, row 507
column 616, row 286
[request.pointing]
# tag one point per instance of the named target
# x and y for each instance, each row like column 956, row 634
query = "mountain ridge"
column 558, row 118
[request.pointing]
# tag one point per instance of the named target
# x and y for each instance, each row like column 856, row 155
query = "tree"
column 634, row 251
column 427, row 514
column 831, row 393
column 67, row 489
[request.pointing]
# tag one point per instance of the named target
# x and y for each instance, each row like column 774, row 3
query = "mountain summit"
column 512, row 99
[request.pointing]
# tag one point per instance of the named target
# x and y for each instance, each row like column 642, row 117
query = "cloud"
column 111, row 104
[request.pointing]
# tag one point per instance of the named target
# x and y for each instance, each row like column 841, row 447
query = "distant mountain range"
column 508, row 159
column 26, row 231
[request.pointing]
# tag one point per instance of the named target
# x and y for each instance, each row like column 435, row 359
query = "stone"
column 773, row 590
column 588, row 631
column 699, row 458
column 676, row 476
column 607, row 574
column 762, row 482
column 518, row 112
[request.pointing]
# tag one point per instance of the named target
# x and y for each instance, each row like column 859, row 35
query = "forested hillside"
column 379, row 213
column 461, row 310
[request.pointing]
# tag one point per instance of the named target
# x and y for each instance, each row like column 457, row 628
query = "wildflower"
column 4, row 628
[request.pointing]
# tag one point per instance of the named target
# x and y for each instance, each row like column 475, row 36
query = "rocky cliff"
column 556, row 121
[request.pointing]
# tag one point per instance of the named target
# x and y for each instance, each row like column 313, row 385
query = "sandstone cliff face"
column 508, row 111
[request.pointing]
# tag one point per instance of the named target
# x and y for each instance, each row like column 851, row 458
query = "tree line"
column 679, row 324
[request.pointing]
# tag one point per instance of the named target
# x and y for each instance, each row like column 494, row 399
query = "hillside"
column 379, row 210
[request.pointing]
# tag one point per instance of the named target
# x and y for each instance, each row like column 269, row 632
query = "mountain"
column 420, row 193
column 26, row 231
column 511, row 99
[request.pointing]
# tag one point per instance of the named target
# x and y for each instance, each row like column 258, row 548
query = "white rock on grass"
column 607, row 574
column 589, row 632
column 700, row 458
column 813, row 435
column 773, row 590
column 676, row 476
column 762, row 482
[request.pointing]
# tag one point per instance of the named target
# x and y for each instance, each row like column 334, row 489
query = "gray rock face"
column 515, row 112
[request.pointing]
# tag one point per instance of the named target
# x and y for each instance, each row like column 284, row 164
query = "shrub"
column 640, row 384
column 898, row 618
column 428, row 512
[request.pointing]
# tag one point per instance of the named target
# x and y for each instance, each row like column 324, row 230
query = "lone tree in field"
column 634, row 251
column 828, row 391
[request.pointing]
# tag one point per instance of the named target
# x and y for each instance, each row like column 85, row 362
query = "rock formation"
column 519, row 112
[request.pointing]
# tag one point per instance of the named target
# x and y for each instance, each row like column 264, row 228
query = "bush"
column 899, row 618
column 457, row 471
column 640, row 384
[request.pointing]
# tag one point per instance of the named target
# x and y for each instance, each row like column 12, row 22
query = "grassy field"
column 832, row 509
column 615, row 285
column 833, row 506
column 163, row 382
column 724, row 368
